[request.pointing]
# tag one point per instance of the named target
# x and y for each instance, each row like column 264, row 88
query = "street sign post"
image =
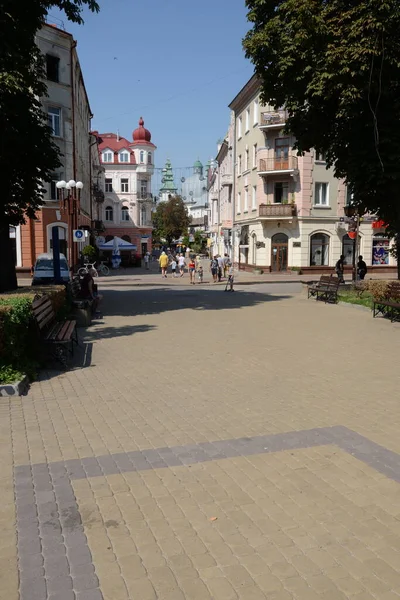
column 78, row 235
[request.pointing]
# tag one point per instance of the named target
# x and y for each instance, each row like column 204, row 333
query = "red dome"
column 141, row 134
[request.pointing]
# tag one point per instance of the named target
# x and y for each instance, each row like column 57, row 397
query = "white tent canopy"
column 122, row 245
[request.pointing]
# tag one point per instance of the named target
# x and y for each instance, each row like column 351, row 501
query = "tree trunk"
column 8, row 276
column 398, row 255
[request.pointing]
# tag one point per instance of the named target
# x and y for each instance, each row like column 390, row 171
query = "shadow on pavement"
column 155, row 301
column 101, row 333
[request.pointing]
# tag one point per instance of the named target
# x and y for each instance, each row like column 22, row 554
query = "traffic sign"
column 78, row 235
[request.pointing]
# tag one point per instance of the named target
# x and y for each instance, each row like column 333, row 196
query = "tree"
column 335, row 66
column 28, row 154
column 170, row 220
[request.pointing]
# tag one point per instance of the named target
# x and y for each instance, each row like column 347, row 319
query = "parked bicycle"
column 102, row 269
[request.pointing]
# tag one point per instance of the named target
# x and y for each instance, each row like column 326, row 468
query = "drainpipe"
column 73, row 220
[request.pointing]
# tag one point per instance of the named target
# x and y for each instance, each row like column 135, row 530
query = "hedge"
column 20, row 350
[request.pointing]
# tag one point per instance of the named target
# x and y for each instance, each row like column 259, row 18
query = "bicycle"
column 102, row 269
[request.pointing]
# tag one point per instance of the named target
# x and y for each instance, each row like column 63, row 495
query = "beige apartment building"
column 289, row 209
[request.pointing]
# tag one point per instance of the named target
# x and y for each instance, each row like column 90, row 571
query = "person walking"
column 339, row 268
column 361, row 268
column 199, row 269
column 181, row 264
column 226, row 264
column 214, row 268
column 163, row 260
column 220, row 267
column 173, row 267
column 147, row 261
column 192, row 270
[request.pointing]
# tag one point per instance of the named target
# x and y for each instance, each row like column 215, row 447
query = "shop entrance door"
column 279, row 252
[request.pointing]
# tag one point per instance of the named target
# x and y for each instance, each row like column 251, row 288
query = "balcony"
column 145, row 196
column 273, row 119
column 227, row 179
column 271, row 166
column 277, row 211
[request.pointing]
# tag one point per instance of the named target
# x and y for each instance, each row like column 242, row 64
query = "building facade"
column 69, row 115
column 289, row 209
column 128, row 169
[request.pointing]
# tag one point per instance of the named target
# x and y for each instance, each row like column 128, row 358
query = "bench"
column 325, row 289
column 57, row 334
column 83, row 307
column 389, row 306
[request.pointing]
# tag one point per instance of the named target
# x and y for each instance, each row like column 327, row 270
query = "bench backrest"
column 43, row 312
column 334, row 283
column 75, row 287
column 325, row 279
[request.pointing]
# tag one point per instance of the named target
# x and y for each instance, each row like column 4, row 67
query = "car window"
column 46, row 264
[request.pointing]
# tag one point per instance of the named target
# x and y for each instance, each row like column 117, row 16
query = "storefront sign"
column 296, row 244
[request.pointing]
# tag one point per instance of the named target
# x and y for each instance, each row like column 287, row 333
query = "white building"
column 128, row 199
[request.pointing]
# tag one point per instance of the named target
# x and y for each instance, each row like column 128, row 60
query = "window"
column 380, row 250
column 349, row 196
column 320, row 157
column 124, row 157
column 143, row 216
column 239, row 164
column 246, row 160
column 321, row 194
column 124, row 185
column 141, row 156
column 239, row 127
column 281, row 192
column 143, row 189
column 254, row 156
column 246, row 200
column 108, row 186
column 255, row 111
column 108, row 156
column 149, row 158
column 347, row 249
column 53, row 188
column 319, row 250
column 54, row 115
column 254, row 198
column 52, row 68
column 109, row 213
column 247, row 119
column 238, row 207
column 125, row 213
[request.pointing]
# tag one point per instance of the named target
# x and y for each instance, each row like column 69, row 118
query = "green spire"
column 168, row 184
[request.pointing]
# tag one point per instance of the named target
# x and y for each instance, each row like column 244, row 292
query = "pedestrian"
column 192, row 270
column 147, row 261
column 214, row 268
column 173, row 267
column 361, row 268
column 163, row 260
column 229, row 283
column 339, row 268
column 226, row 264
column 199, row 269
column 220, row 267
column 181, row 264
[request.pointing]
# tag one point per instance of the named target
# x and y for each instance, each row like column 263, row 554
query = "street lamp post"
column 69, row 195
column 352, row 212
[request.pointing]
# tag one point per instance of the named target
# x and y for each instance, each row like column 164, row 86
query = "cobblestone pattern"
column 55, row 561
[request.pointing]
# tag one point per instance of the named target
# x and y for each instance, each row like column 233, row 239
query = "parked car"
column 43, row 273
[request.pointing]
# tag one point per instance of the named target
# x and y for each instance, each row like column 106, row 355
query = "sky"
column 177, row 63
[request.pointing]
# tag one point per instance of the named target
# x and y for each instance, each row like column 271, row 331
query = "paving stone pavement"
column 208, row 445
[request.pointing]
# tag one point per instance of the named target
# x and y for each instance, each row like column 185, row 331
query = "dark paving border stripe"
column 54, row 557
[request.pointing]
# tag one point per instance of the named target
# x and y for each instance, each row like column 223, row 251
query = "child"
column 173, row 267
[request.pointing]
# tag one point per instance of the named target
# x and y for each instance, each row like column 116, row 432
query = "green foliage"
column 89, row 252
column 18, row 339
column 335, row 66
column 23, row 124
column 170, row 220
column 8, row 374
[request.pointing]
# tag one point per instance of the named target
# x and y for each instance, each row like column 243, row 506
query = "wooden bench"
column 57, row 334
column 389, row 306
column 326, row 289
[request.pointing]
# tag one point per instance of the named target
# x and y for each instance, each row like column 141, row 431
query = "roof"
column 249, row 90
column 198, row 164
column 115, row 144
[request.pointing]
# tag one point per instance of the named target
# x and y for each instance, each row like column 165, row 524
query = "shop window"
column 380, row 251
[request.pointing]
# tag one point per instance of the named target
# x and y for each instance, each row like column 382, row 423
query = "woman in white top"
column 181, row 264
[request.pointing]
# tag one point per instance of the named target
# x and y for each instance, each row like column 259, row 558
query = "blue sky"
column 177, row 63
